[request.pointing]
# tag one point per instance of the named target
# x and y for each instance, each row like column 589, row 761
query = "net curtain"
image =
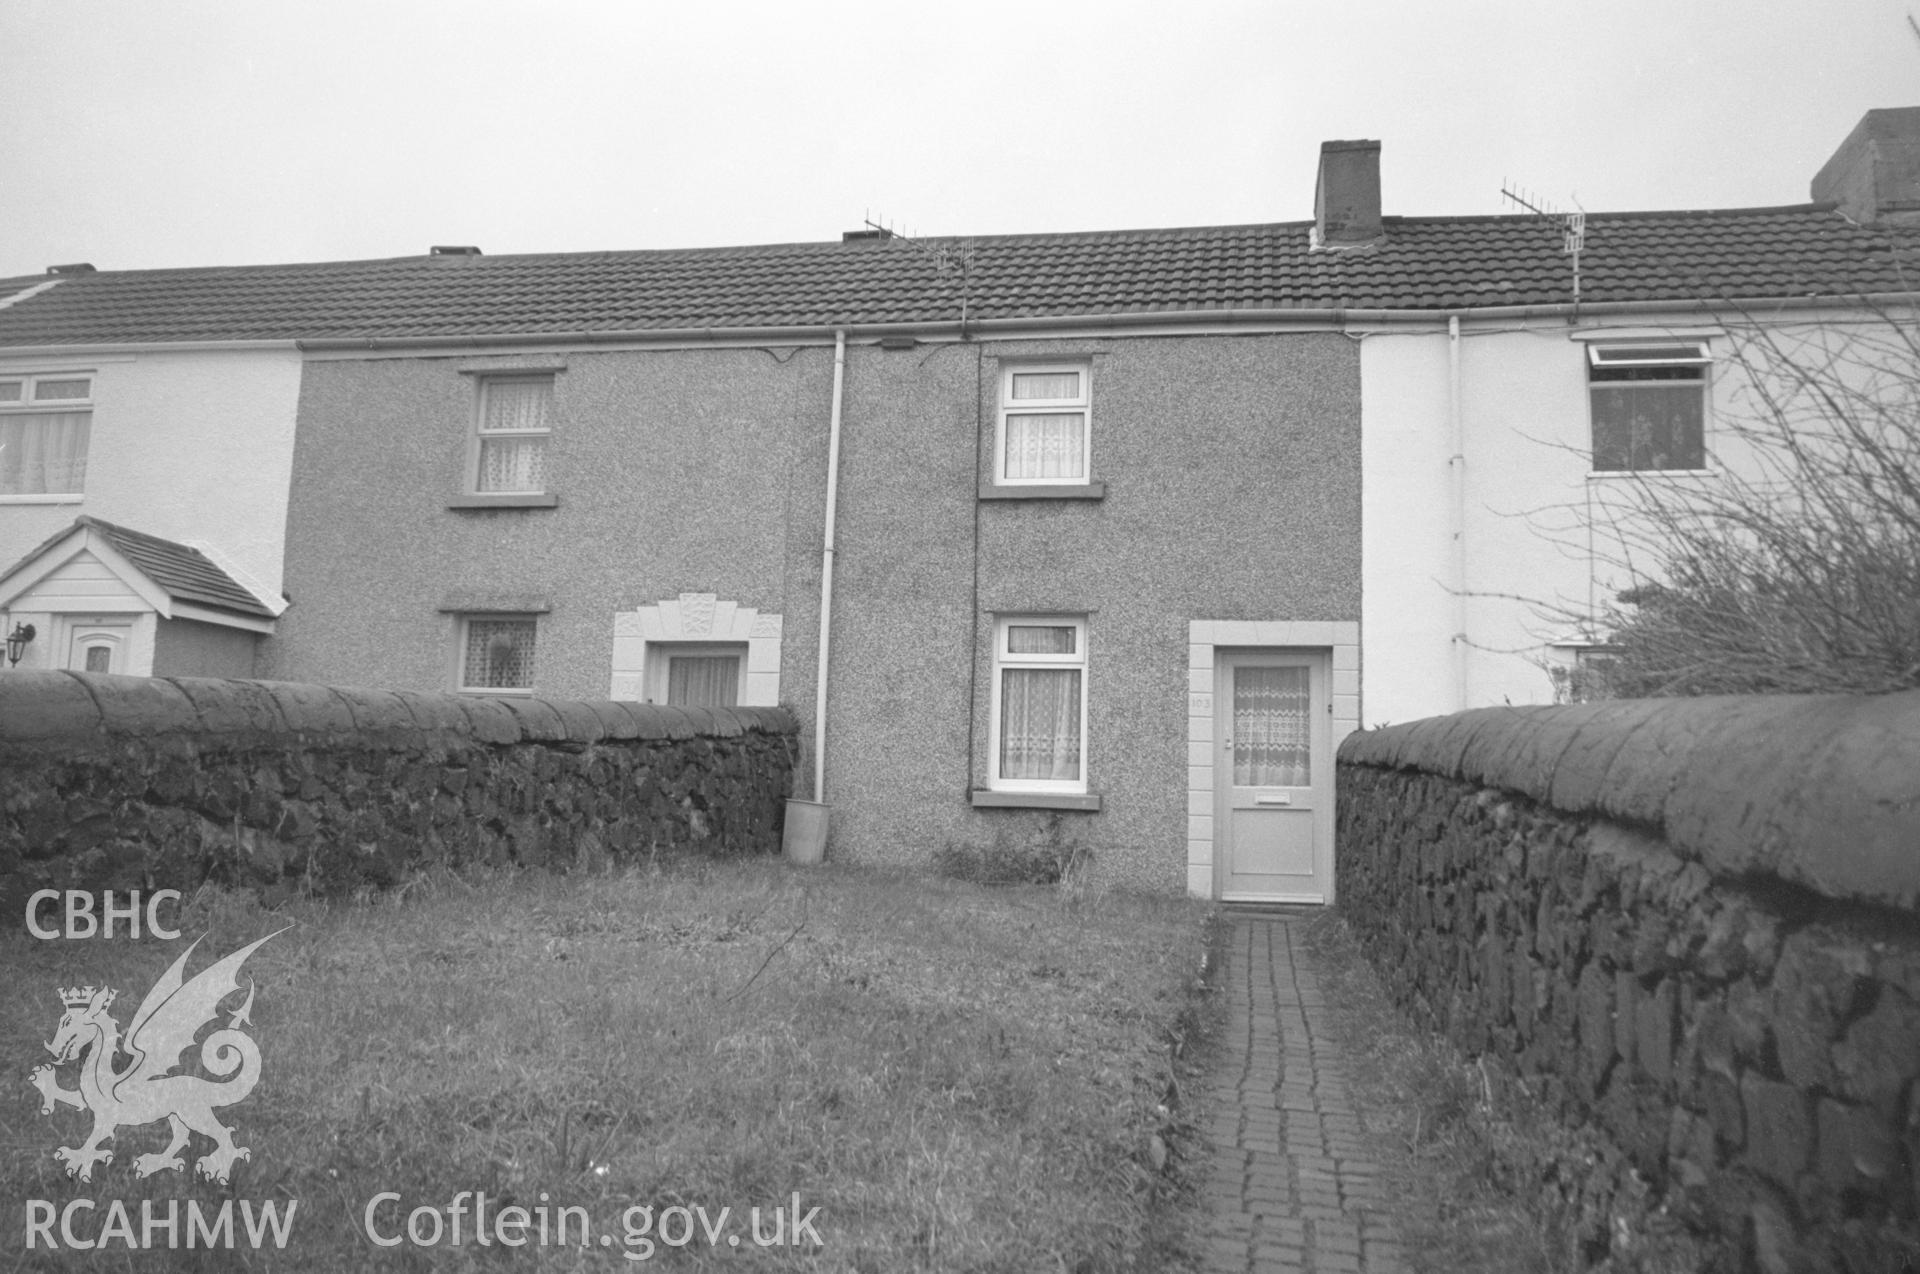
column 1040, row 723
column 1272, row 727
column 44, row 453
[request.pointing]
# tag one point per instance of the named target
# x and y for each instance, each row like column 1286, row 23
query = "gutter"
column 94, row 349
column 1321, row 318
column 1333, row 317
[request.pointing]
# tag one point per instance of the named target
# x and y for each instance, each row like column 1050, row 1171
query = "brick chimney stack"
column 1875, row 175
column 1346, row 198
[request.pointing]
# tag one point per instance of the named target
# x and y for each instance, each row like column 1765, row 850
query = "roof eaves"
column 144, row 347
column 170, row 565
column 12, row 568
column 1278, row 316
column 225, row 608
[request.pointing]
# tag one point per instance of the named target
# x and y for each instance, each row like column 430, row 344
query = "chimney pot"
column 1346, row 198
column 1875, row 175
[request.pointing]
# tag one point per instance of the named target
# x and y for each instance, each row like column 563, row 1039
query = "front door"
column 1273, row 767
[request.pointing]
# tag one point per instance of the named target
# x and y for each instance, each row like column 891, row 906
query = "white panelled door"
column 1273, row 768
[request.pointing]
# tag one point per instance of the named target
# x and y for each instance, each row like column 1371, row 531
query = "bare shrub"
column 1795, row 566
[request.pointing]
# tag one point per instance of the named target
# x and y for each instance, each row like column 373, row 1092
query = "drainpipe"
column 1457, row 467
column 826, row 570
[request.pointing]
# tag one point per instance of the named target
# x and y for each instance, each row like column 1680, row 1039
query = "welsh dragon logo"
column 144, row 1090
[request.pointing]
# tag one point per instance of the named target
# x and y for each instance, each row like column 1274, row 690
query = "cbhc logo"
column 82, row 922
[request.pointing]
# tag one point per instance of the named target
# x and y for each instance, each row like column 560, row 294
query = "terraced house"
column 1115, row 535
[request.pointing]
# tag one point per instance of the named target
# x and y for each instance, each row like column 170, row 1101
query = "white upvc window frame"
column 1678, row 352
column 463, row 630
column 30, row 404
column 1010, row 406
column 479, row 434
column 1003, row 661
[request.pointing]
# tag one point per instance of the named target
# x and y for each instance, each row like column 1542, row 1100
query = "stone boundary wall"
column 126, row 783
column 1690, row 927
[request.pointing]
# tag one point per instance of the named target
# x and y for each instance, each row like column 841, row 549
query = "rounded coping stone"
column 651, row 720
column 1580, row 779
column 232, row 707
column 699, row 720
column 139, row 705
column 615, row 722
column 377, row 714
column 1509, row 749
column 42, row 708
column 583, row 724
column 436, row 713
column 724, row 723
column 677, row 722
column 1645, row 773
column 1820, row 790
column 772, row 720
column 1379, row 746
column 538, row 720
column 488, row 719
column 1439, row 744
column 307, row 708
column 1536, row 762
column 642, row 721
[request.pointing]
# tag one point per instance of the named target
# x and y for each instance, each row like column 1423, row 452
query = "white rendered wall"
column 1523, row 404
column 194, row 446
column 1406, row 620
column 1533, row 570
column 1529, row 454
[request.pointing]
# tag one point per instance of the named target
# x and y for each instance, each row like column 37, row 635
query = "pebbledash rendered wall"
column 1690, row 925
column 142, row 783
column 1231, row 472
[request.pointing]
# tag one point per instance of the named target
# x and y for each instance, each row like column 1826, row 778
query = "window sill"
column 514, row 500
column 482, row 603
column 63, row 498
column 1045, row 491
column 513, row 367
column 1615, row 475
column 1088, row 802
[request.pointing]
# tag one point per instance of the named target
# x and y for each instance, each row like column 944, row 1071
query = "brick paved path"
column 1292, row 1186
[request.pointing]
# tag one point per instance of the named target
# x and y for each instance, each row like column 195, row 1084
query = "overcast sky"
column 150, row 133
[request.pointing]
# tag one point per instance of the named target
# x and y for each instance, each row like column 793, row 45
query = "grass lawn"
column 957, row 1078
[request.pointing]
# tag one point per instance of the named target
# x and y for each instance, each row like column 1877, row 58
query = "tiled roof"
column 184, row 573
column 1424, row 264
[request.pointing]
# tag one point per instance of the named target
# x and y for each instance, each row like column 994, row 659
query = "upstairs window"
column 1040, row 705
column 45, row 421
column 510, row 447
column 1044, row 425
column 1649, row 406
column 496, row 654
